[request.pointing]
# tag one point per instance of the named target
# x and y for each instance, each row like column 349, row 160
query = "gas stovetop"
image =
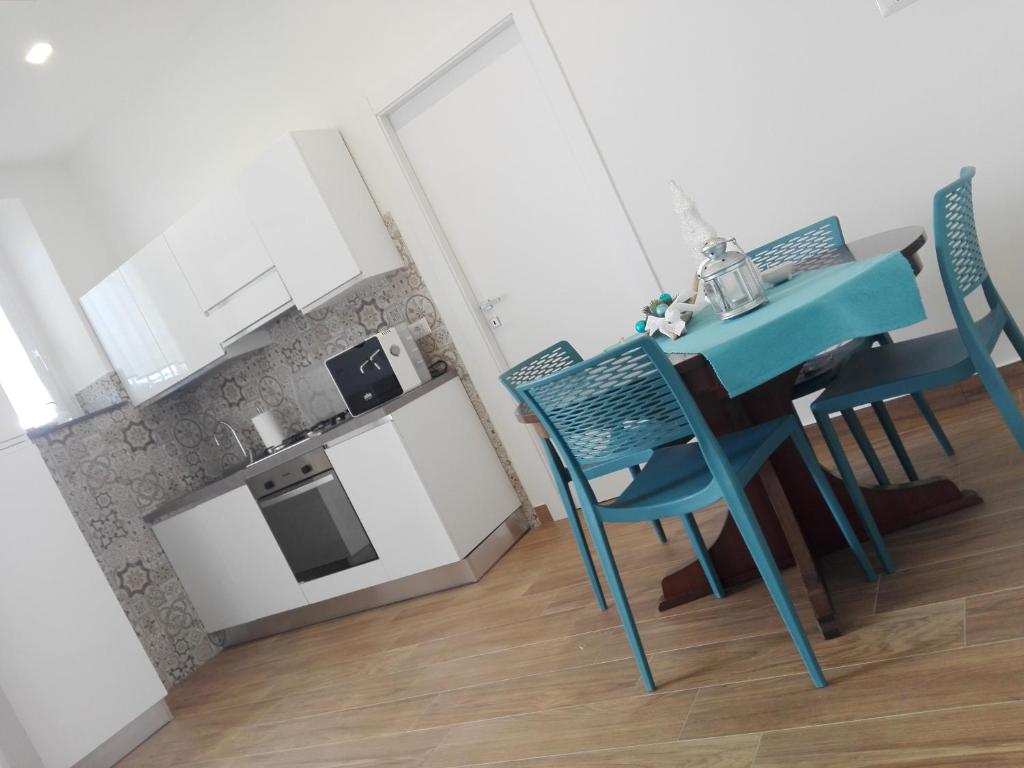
column 302, row 436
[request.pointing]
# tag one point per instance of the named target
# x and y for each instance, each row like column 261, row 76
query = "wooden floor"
column 523, row 670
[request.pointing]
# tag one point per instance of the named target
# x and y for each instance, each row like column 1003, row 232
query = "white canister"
column 270, row 431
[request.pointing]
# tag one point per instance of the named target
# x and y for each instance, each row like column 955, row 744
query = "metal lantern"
column 731, row 280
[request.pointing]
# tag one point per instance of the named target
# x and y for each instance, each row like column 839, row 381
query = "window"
column 28, row 395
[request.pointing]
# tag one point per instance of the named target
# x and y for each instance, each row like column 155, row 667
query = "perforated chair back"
column 624, row 400
column 804, row 247
column 555, row 358
column 956, row 236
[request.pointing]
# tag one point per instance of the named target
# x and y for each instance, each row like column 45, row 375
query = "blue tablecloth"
column 806, row 315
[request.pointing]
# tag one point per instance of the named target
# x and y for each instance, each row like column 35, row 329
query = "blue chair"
column 555, row 358
column 811, row 248
column 909, row 367
column 631, row 399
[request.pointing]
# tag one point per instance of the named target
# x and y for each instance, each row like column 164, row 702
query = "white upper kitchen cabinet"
column 218, row 248
column 315, row 216
column 150, row 324
column 126, row 337
column 179, row 325
column 228, row 561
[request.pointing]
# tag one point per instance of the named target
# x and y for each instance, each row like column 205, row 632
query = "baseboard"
column 128, row 738
column 543, row 514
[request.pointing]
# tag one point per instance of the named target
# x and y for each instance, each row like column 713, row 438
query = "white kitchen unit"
column 72, row 670
column 426, row 482
column 228, row 561
column 316, row 218
column 420, row 475
column 227, row 266
column 218, row 248
column 150, row 324
column 127, row 339
column 176, row 320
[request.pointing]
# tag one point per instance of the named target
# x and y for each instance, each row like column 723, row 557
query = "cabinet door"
column 295, row 224
column 392, row 502
column 71, row 665
column 127, row 338
column 179, row 325
column 217, row 247
column 229, row 562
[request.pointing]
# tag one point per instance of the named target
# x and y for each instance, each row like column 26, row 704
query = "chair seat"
column 623, row 461
column 678, row 474
column 905, row 367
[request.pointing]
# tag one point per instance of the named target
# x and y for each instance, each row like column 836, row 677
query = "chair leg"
column 838, row 513
column 894, row 439
column 581, row 541
column 865, row 446
column 1012, row 332
column 923, row 407
column 659, row 530
column 753, row 537
column 859, row 502
column 933, row 422
column 1002, row 397
column 703, row 556
column 611, row 572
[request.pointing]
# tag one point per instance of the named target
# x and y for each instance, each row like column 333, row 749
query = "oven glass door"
column 317, row 528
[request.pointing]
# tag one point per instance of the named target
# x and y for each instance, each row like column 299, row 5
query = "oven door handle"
column 316, row 482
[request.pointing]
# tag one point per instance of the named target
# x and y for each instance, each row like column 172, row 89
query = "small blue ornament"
column 661, row 309
column 641, row 326
column 665, row 298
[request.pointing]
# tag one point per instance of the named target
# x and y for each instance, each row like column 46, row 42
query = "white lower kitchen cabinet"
column 228, row 561
column 426, row 482
column 74, row 677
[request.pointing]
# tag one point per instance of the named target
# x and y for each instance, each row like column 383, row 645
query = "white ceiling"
column 102, row 50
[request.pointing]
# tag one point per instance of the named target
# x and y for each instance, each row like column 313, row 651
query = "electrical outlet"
column 889, row 7
column 420, row 328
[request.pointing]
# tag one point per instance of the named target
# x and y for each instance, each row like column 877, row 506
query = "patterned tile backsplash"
column 117, row 465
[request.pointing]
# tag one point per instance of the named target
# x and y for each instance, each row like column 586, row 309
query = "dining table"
column 792, row 514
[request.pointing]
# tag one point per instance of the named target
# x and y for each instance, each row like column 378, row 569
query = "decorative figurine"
column 667, row 315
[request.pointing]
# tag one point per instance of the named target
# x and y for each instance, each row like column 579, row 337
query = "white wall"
column 770, row 114
column 776, row 114
column 48, row 240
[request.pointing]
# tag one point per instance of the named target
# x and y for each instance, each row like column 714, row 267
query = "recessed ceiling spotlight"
column 39, row 53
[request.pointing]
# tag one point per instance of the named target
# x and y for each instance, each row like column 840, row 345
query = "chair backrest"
column 804, row 245
column 624, row 400
column 551, row 360
column 956, row 237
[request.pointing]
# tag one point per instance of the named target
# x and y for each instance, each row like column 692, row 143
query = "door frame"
column 456, row 300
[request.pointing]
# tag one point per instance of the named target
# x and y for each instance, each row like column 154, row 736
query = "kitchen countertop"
column 338, row 434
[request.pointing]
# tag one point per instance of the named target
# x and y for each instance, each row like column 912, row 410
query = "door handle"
column 487, row 305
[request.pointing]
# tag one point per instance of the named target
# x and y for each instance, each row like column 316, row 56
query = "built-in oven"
column 311, row 517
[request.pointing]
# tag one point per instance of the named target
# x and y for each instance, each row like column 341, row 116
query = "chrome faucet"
column 241, row 446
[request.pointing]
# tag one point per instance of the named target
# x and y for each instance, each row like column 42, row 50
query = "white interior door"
column 511, row 201
column 505, row 186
